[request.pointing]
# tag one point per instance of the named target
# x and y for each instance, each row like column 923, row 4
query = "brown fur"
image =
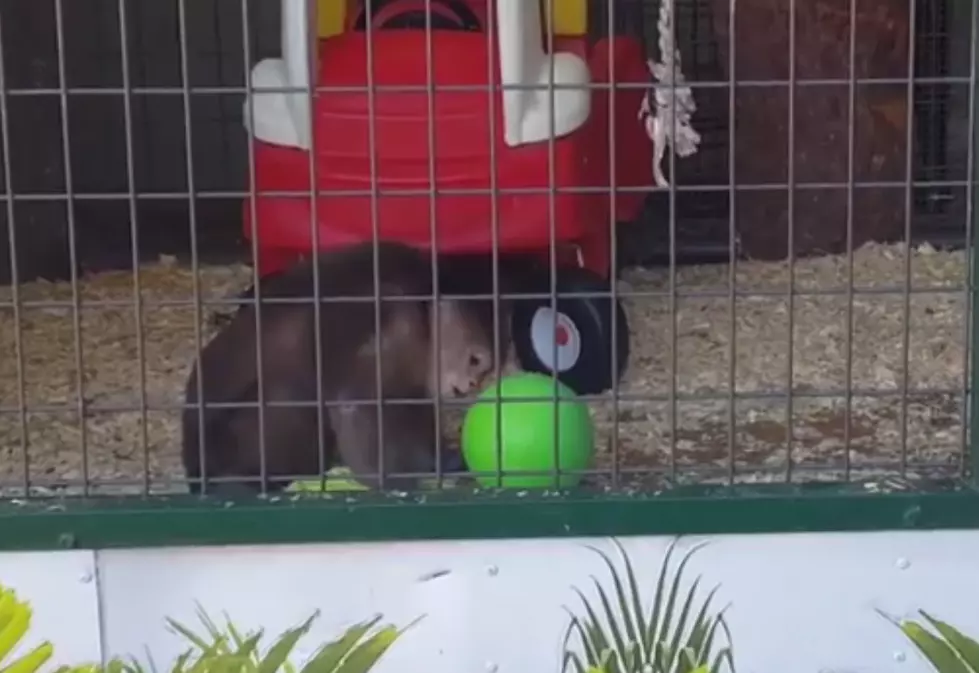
column 349, row 345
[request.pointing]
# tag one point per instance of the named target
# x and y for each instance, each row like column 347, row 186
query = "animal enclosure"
column 158, row 159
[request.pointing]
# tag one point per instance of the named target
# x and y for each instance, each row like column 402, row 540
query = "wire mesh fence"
column 524, row 153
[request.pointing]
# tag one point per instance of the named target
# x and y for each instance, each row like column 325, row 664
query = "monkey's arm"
column 401, row 438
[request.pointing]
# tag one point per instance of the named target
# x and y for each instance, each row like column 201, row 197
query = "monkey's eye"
column 475, row 360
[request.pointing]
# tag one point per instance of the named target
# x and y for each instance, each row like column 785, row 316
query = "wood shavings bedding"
column 128, row 449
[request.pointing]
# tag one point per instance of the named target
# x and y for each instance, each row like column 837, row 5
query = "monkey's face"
column 469, row 366
column 466, row 344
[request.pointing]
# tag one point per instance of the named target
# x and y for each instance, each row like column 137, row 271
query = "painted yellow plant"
column 15, row 620
column 946, row 648
column 672, row 635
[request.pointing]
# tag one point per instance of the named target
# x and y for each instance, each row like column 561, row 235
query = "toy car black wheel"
column 582, row 327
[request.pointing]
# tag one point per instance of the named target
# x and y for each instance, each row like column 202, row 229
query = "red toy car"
column 447, row 148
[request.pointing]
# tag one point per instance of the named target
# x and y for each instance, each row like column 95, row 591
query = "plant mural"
column 678, row 632
column 672, row 635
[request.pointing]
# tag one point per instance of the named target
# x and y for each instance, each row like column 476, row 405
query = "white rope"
column 661, row 102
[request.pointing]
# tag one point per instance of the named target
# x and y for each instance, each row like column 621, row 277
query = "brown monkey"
column 349, row 343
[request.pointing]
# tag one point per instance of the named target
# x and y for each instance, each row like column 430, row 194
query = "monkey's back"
column 349, row 318
column 347, row 335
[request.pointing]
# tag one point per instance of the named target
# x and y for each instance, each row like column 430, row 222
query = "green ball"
column 528, row 429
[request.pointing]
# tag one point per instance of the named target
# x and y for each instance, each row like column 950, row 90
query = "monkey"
column 349, row 342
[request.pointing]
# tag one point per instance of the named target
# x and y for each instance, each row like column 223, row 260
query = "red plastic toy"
column 491, row 159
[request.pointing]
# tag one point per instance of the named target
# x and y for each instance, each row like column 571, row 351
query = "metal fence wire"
column 158, row 170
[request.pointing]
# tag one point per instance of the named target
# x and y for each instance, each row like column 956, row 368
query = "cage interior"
column 720, row 378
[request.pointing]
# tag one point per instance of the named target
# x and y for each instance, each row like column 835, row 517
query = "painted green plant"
column 674, row 634
column 229, row 650
column 946, row 648
column 113, row 666
column 216, row 650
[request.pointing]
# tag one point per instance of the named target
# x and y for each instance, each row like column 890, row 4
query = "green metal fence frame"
column 190, row 521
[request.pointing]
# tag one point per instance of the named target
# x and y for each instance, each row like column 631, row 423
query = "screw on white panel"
column 491, row 667
column 903, row 564
column 492, row 571
column 899, row 657
column 86, row 577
